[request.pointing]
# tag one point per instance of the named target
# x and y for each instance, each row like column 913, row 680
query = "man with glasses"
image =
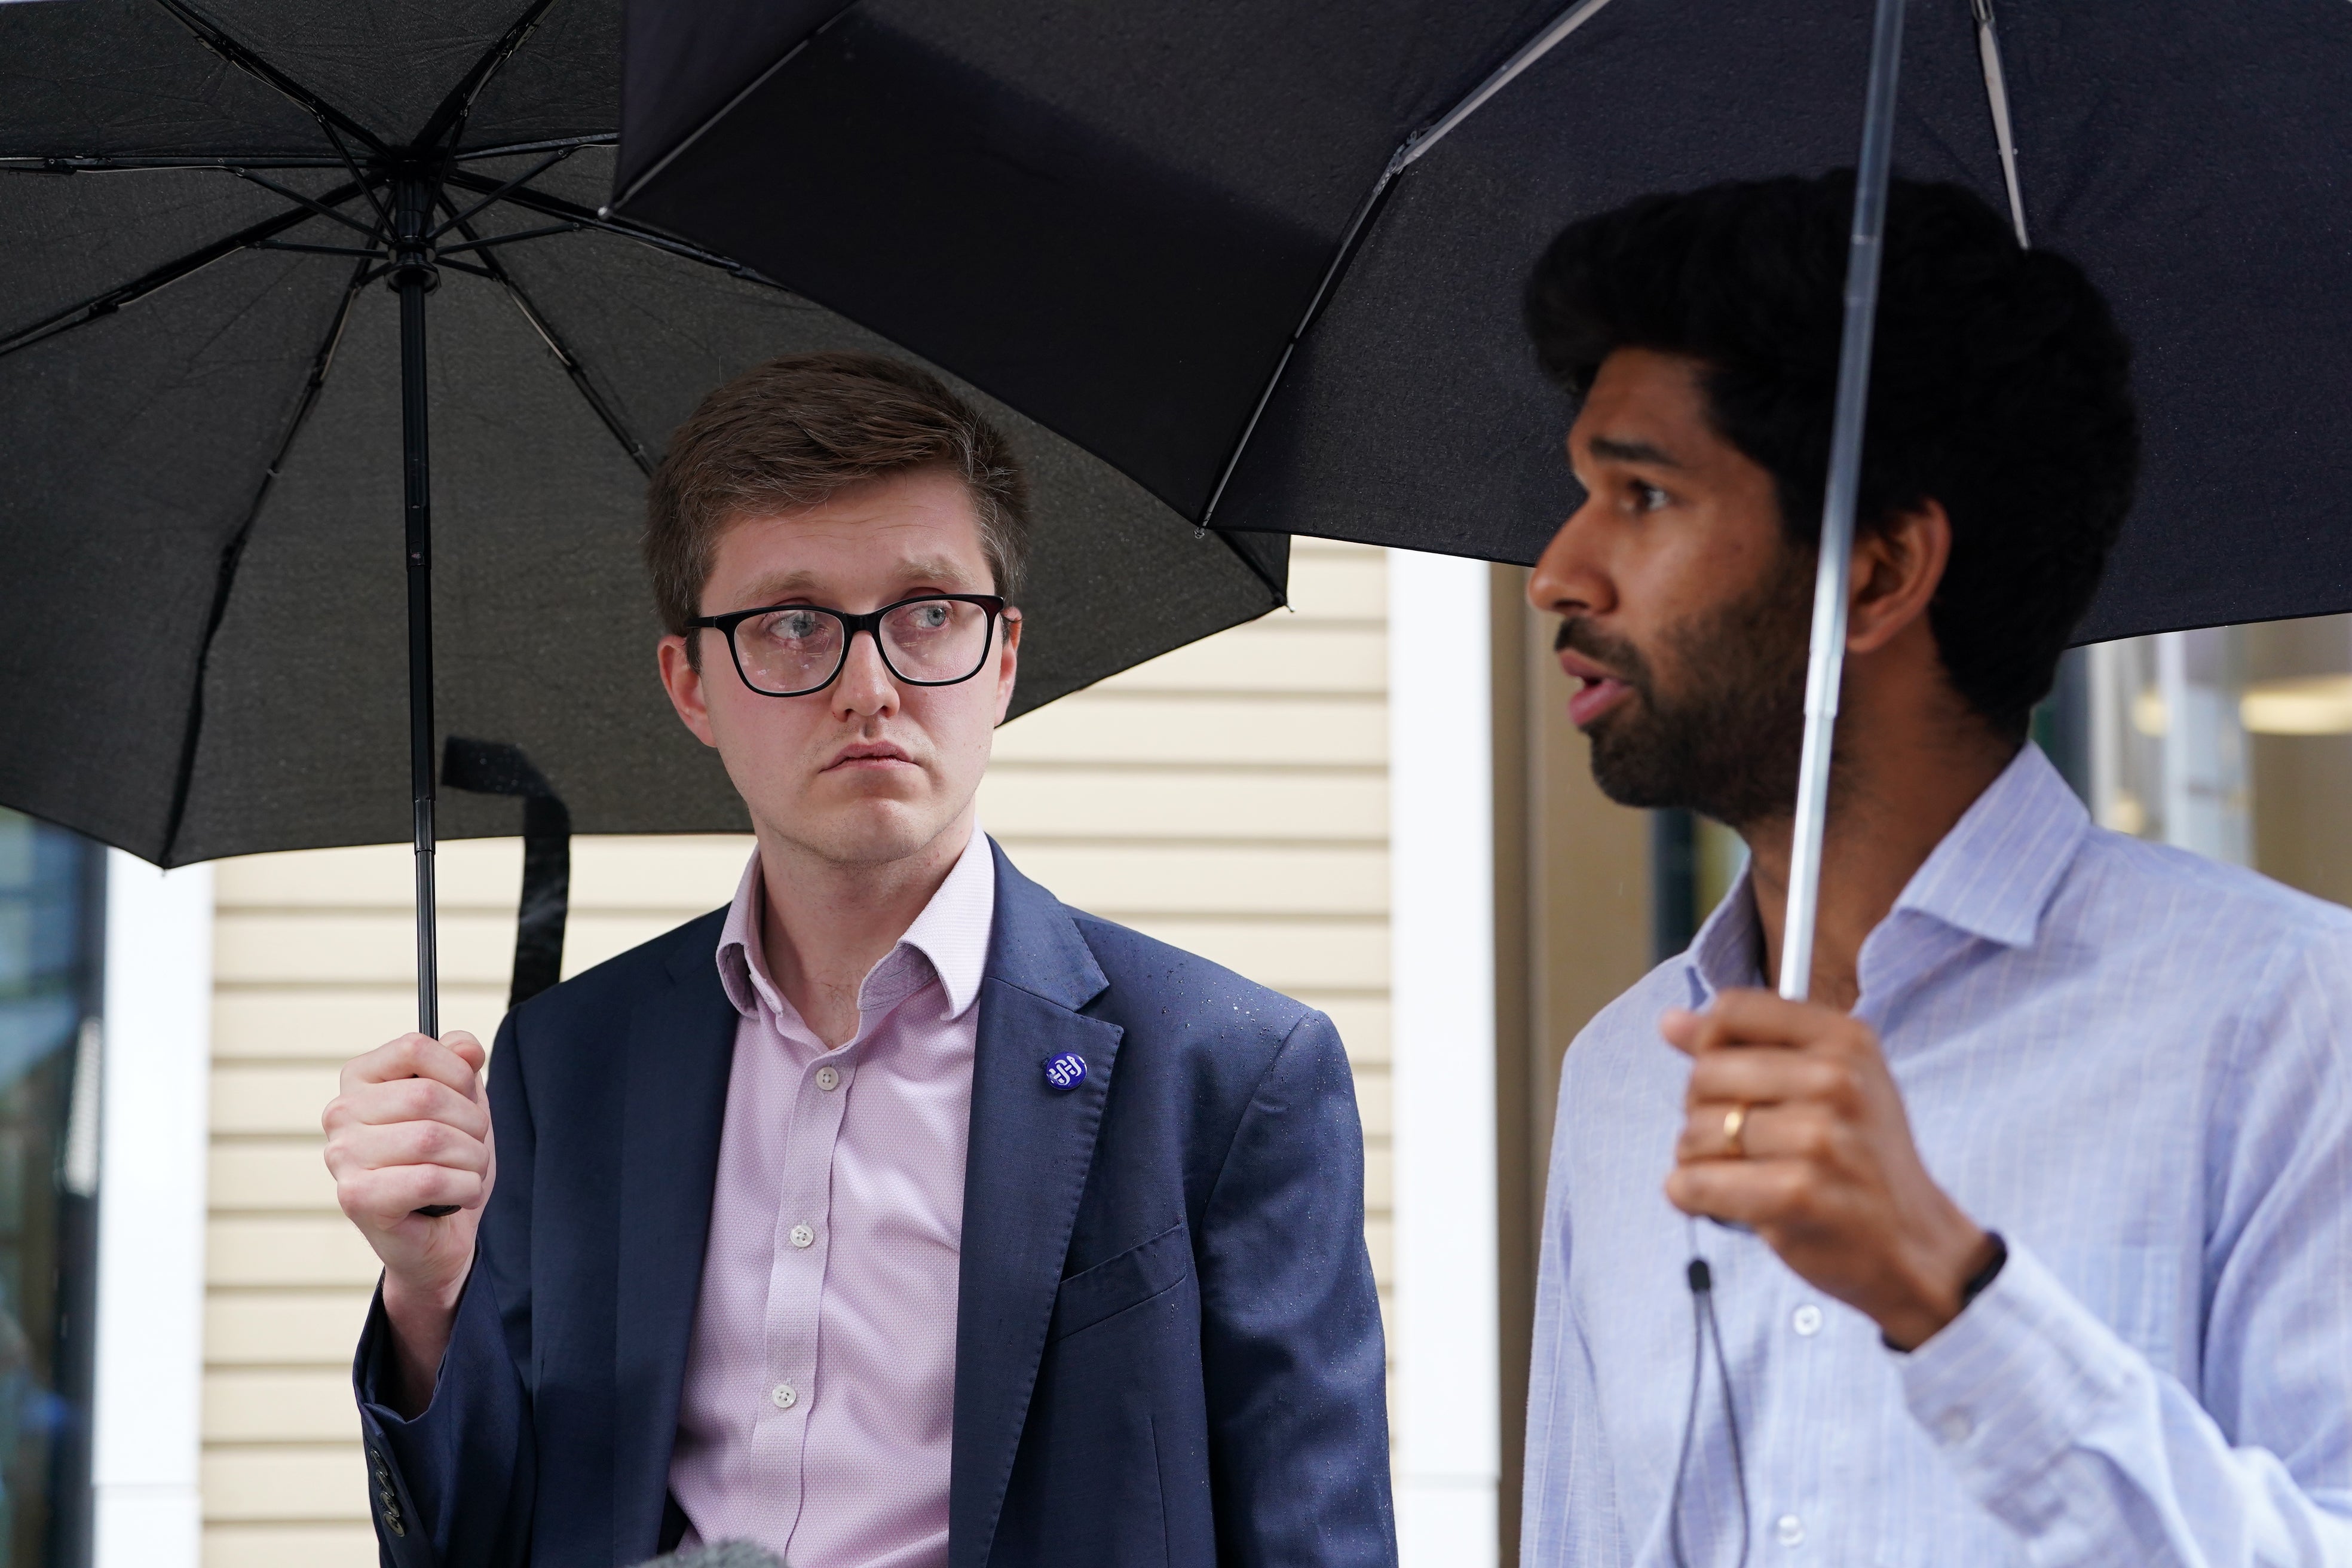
column 896, row 1215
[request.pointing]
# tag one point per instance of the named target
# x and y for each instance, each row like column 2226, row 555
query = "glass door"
column 50, row 947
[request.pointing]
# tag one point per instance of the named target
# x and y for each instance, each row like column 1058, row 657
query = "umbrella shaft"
column 1825, row 667
column 412, row 278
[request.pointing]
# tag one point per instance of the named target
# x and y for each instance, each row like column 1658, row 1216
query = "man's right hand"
column 410, row 1129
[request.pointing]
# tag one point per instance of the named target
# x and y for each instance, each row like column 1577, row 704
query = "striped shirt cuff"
column 2012, row 1384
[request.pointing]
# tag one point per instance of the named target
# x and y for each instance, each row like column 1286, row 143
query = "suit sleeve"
column 452, row 1489
column 1295, row 1363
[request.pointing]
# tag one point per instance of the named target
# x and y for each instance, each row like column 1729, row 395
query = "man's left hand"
column 1823, row 1168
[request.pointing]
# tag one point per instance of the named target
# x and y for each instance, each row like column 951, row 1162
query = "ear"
column 684, row 684
column 1896, row 569
column 1008, row 662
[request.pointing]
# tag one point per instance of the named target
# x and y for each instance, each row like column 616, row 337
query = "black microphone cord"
column 1703, row 1326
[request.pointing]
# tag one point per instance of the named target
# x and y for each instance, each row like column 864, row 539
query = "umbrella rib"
column 573, row 368
column 494, row 241
column 319, row 249
column 555, row 206
column 727, row 107
column 543, row 166
column 294, row 195
column 497, row 241
column 107, row 163
column 219, row 39
column 448, row 121
column 519, row 149
column 1509, row 71
column 1339, row 260
column 233, row 551
column 367, row 188
column 1996, row 99
column 1281, row 591
column 1415, row 145
column 105, row 304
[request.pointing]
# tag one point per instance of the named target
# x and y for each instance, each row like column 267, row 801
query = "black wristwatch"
column 1974, row 1286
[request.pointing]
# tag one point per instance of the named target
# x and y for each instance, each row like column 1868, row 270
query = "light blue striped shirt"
column 2130, row 1061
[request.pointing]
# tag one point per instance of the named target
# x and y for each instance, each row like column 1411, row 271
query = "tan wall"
column 1572, row 930
column 1231, row 797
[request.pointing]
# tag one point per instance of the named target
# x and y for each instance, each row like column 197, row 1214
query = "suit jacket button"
column 391, row 1522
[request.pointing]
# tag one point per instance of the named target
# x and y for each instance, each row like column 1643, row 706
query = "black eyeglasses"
column 790, row 650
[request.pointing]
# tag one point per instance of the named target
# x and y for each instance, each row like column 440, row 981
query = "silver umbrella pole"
column 1826, row 663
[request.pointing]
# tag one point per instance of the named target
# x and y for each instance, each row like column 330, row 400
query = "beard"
column 1726, row 743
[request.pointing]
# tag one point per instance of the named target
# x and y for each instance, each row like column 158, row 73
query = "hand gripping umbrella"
column 1266, row 256
column 228, row 237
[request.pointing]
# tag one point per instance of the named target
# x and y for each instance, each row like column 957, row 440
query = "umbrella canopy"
column 1265, row 256
column 203, row 643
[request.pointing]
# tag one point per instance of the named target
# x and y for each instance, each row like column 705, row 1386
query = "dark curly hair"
column 2000, row 386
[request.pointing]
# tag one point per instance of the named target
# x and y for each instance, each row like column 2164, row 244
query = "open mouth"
column 1597, row 690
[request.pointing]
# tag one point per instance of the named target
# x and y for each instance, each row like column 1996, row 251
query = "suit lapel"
column 681, row 1048
column 1031, row 1148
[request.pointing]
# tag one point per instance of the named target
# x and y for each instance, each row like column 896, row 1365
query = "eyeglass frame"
column 870, row 623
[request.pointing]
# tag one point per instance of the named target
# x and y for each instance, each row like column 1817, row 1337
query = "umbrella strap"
column 495, row 767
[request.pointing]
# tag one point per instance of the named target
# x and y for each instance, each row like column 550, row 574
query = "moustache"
column 1578, row 635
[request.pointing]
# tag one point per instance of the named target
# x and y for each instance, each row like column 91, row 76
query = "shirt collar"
column 1728, row 950
column 1991, row 875
column 949, row 941
column 1994, row 872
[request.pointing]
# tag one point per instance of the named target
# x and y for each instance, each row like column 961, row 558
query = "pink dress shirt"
column 819, row 1401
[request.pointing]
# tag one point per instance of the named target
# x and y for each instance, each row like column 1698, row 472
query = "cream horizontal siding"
column 1230, row 797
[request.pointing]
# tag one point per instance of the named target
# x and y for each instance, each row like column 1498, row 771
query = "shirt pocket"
column 1129, row 1280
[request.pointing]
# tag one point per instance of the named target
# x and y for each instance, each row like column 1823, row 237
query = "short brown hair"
column 793, row 432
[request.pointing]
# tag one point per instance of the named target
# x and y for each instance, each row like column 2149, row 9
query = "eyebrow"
column 1609, row 448
column 930, row 568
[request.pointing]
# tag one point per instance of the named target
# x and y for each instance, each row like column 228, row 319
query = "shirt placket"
column 802, row 1242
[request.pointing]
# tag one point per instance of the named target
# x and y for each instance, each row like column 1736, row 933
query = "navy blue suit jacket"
column 1168, row 1350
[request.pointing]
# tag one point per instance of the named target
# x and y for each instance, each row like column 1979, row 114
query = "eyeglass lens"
column 800, row 648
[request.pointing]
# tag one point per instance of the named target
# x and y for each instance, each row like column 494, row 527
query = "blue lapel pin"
column 1066, row 1071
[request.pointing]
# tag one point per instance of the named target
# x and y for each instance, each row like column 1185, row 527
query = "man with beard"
column 2034, row 1243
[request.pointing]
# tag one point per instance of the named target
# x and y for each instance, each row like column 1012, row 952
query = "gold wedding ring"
column 1735, row 1122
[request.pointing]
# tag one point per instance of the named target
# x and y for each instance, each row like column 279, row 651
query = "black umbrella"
column 1266, row 255
column 228, row 237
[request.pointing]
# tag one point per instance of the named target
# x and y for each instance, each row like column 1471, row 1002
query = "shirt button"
column 1955, row 1427
column 782, row 1396
column 827, row 1079
column 1806, row 1320
column 803, row 1236
column 1791, row 1529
